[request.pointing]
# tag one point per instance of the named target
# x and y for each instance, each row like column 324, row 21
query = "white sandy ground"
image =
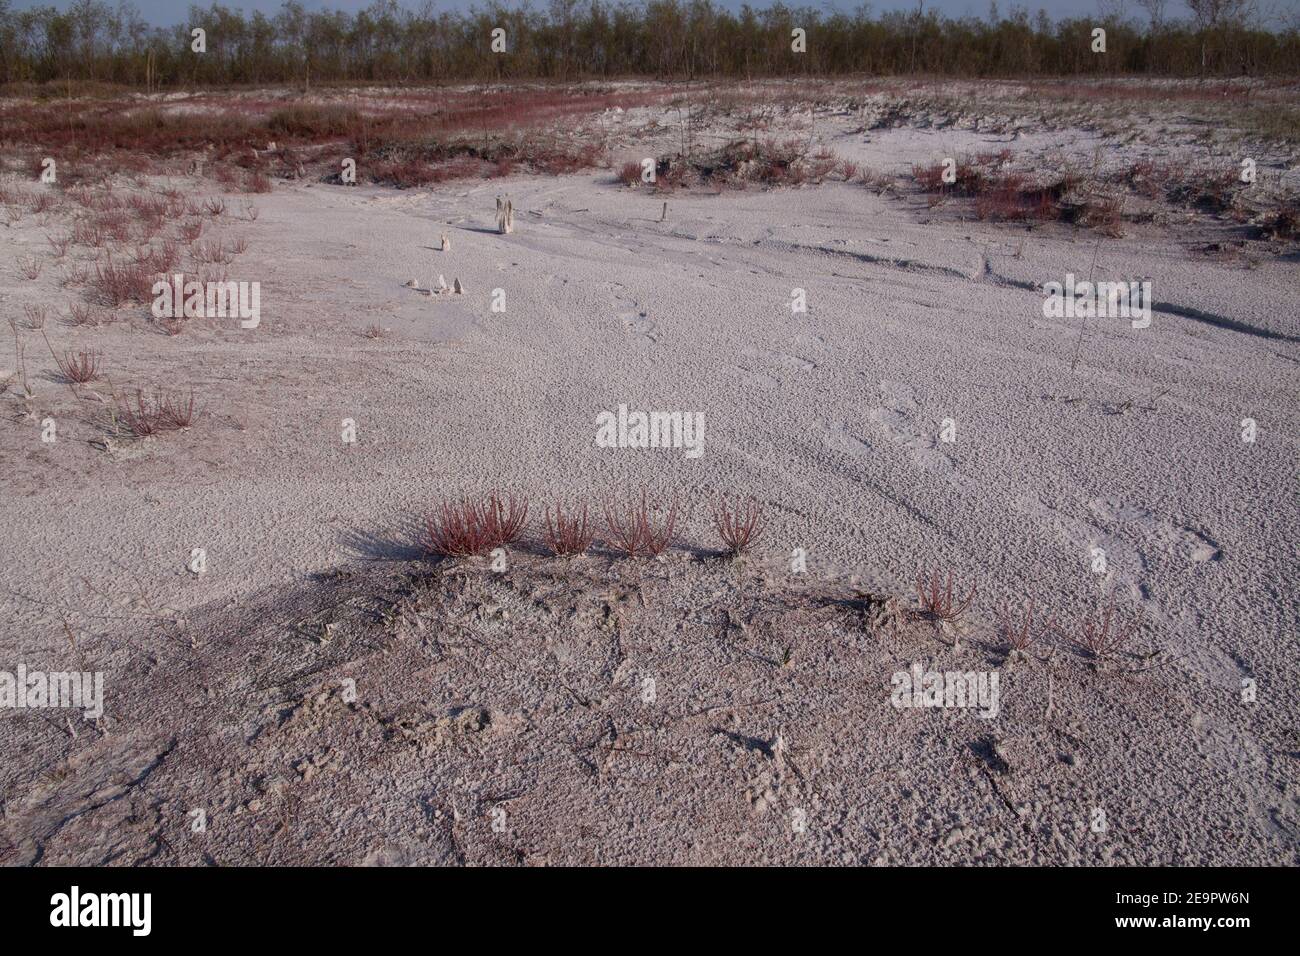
column 830, row 419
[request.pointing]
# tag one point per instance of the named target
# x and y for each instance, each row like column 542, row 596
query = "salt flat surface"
column 831, row 419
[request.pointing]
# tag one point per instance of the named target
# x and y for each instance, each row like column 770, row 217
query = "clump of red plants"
column 475, row 526
column 739, row 525
column 567, row 534
column 634, row 532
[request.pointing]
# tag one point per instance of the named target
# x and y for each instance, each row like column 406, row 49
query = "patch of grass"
column 938, row 598
column 77, row 367
column 739, row 525
column 634, row 531
column 475, row 527
column 567, row 534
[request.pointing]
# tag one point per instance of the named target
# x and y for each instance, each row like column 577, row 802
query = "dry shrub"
column 403, row 174
column 190, row 230
column 215, row 206
column 82, row 315
column 633, row 531
column 59, row 244
column 739, row 526
column 212, row 251
column 561, row 161
column 568, row 534
column 174, row 412
column 35, row 315
column 86, row 232
column 1011, row 198
column 115, row 225
column 74, row 274
column 1103, row 635
column 469, row 527
column 823, row 163
column 161, row 259
column 118, row 283
column 1283, row 223
column 78, row 367
column 629, row 174
column 30, row 268
column 313, row 121
column 147, row 208
column 1105, row 214
column 42, row 202
column 258, row 182
column 1018, row 633
column 938, row 599
column 151, row 413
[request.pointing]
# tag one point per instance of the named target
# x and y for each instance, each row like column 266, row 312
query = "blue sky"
column 167, row 12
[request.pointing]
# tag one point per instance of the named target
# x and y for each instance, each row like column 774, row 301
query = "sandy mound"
column 686, row 710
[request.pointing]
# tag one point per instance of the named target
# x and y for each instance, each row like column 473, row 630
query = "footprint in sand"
column 897, row 414
column 837, row 437
column 1150, row 532
column 795, row 362
column 783, row 359
column 755, row 378
column 635, row 321
column 808, row 342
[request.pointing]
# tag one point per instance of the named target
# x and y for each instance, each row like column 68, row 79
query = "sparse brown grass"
column 1019, row 631
column 118, row 283
column 86, row 232
column 212, row 251
column 1282, row 223
column 175, row 412
column 76, row 367
column 30, row 269
column 1103, row 634
column 633, row 530
column 35, row 315
column 83, row 315
column 629, row 174
column 938, row 598
column 152, row 412
column 739, row 526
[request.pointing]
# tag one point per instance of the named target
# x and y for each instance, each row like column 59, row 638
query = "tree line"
column 569, row 40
